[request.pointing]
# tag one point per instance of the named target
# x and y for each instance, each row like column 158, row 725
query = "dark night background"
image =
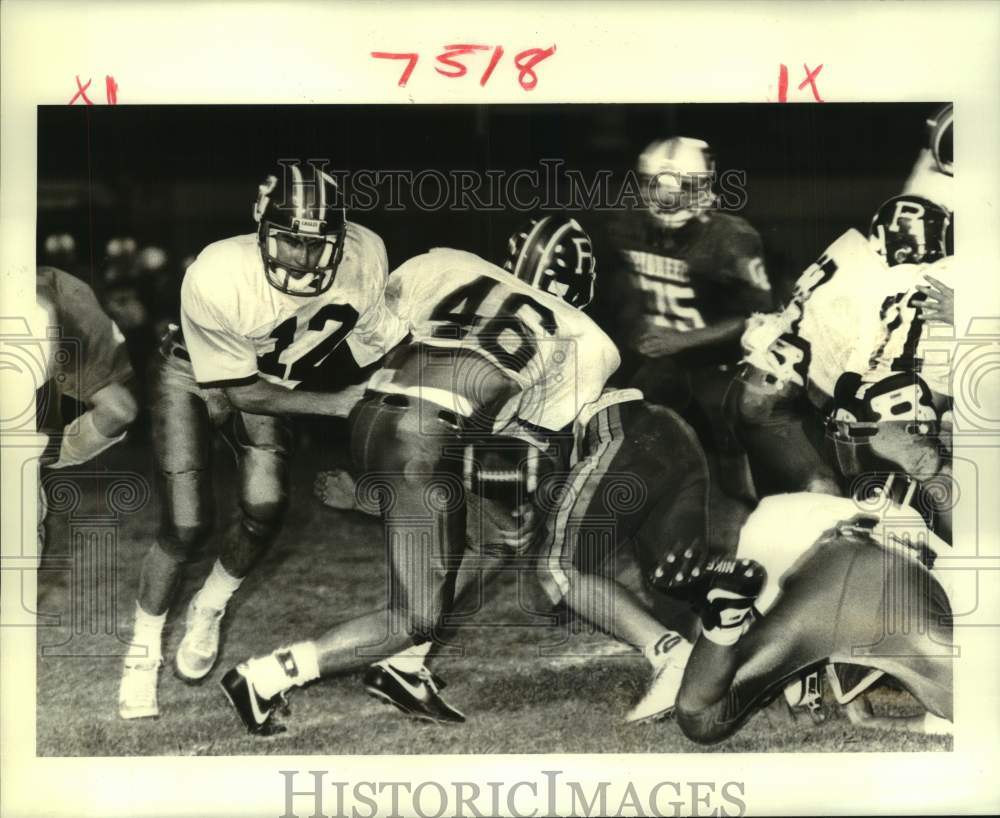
column 180, row 177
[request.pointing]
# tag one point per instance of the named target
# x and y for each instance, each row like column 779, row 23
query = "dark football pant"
column 697, row 393
column 782, row 434
column 185, row 419
column 641, row 476
column 851, row 600
column 411, row 452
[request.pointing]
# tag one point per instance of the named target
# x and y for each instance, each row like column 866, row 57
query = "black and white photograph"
column 485, row 428
column 549, row 403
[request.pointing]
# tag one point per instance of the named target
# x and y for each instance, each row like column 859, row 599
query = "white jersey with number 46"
column 556, row 354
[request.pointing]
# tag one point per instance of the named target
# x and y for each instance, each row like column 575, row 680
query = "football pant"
column 184, row 419
column 850, row 600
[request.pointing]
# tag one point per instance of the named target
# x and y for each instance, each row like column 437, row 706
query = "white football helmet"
column 677, row 176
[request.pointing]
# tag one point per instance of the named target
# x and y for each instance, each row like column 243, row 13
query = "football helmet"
column 301, row 229
column 676, row 175
column 887, row 425
column 554, row 254
column 941, row 138
column 910, row 229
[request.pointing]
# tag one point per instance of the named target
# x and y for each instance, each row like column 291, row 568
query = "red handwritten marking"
column 110, row 90
column 450, row 66
column 497, row 54
column 526, row 62
column 783, row 83
column 412, row 57
column 811, row 80
column 447, row 58
column 81, row 91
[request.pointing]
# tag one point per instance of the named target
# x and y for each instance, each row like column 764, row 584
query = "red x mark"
column 811, row 80
column 81, row 91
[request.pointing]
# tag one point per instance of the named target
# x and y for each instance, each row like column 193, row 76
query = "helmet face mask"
column 910, row 229
column 301, row 230
column 676, row 177
column 554, row 254
column 888, row 426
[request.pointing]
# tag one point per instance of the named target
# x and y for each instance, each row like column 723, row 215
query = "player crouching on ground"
column 260, row 314
column 862, row 594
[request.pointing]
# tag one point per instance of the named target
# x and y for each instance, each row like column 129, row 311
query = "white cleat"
column 199, row 648
column 662, row 692
column 137, row 694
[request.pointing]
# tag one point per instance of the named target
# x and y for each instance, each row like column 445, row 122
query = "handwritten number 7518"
column 450, row 64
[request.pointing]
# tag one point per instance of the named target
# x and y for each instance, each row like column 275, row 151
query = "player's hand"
column 335, row 489
column 658, row 342
column 940, row 303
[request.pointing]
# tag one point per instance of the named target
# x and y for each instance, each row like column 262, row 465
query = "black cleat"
column 254, row 711
column 415, row 694
column 733, row 587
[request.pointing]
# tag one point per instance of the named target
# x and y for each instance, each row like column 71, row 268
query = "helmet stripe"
column 547, row 252
column 528, row 243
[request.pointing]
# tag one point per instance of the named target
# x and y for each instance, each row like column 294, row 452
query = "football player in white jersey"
column 492, row 351
column 259, row 314
column 859, row 303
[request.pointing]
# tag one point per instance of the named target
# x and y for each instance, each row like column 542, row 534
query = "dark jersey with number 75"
column 554, row 356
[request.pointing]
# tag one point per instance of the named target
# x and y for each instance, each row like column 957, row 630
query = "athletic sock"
column 147, row 632
column 657, row 650
column 287, row 667
column 726, row 636
column 411, row 659
column 218, row 588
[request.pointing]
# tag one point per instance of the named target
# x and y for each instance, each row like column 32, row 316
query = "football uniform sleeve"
column 744, row 286
column 220, row 357
column 378, row 329
column 96, row 355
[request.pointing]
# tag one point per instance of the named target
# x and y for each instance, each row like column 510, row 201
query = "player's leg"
column 777, row 428
column 605, row 498
column 182, row 445
column 263, row 443
column 729, row 462
column 422, row 505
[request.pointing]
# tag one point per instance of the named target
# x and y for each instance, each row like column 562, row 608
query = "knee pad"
column 186, row 520
column 262, row 521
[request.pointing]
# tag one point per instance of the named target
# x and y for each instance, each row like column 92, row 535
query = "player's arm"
column 655, row 342
column 112, row 410
column 263, row 398
column 225, row 359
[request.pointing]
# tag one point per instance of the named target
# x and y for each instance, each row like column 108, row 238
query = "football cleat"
column 733, row 587
column 137, row 694
column 199, row 648
column 660, row 697
column 415, row 694
column 254, row 710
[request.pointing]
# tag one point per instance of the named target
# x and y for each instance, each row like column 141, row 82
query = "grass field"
column 327, row 566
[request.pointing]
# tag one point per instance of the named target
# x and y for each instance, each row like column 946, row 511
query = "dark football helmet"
column 910, row 229
column 941, row 138
column 301, row 229
column 889, row 425
column 554, row 254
